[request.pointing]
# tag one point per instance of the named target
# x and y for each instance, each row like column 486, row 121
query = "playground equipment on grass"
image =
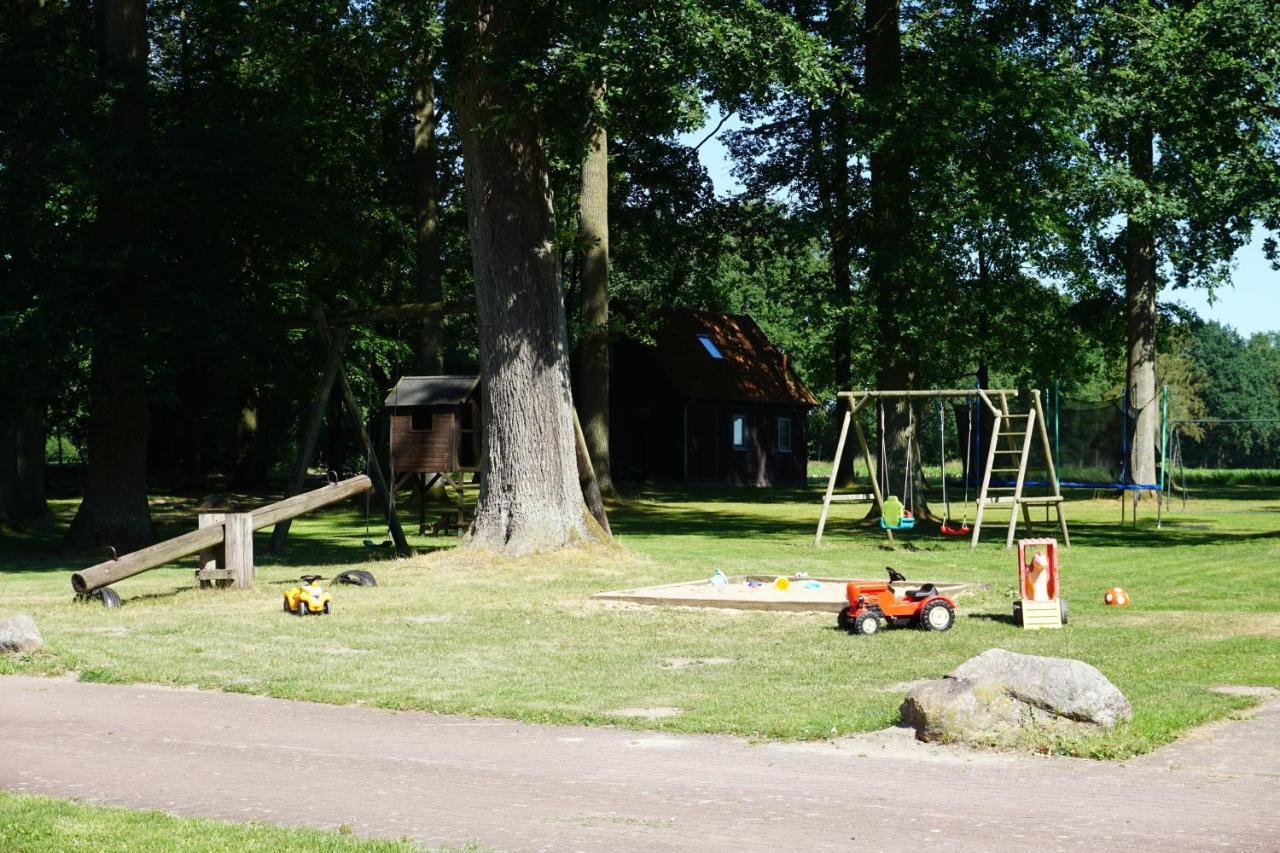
column 224, row 541
column 1011, row 438
column 1040, row 603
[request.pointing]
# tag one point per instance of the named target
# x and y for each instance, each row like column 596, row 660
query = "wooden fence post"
column 237, row 546
column 211, row 558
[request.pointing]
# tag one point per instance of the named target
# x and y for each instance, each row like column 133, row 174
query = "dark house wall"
column 648, row 430
column 713, row 458
column 646, row 416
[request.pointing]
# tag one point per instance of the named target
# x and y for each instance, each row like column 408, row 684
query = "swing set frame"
column 1002, row 442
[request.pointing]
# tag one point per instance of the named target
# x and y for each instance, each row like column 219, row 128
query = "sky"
column 1251, row 304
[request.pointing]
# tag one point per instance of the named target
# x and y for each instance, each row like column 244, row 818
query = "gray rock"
column 1001, row 698
column 19, row 634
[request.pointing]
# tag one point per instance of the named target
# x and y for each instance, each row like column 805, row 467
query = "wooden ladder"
column 1009, row 442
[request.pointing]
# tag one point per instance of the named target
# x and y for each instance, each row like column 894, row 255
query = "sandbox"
column 740, row 593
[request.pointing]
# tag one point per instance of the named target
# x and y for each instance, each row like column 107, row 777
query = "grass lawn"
column 456, row 633
column 33, row 824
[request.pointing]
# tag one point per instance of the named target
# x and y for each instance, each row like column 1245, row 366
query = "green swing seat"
column 894, row 516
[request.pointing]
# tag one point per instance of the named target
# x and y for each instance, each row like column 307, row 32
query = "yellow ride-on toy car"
column 308, row 599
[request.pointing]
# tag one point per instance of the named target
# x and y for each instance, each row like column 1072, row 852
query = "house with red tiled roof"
column 710, row 400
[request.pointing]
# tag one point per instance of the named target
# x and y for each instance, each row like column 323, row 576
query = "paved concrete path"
column 512, row 786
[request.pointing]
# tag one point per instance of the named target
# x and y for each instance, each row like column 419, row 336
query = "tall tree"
column 530, row 498
column 115, row 509
column 1185, row 108
column 593, row 239
column 427, row 199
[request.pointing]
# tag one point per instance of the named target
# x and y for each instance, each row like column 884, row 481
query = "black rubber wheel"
column 326, row 608
column 108, row 596
column 303, row 607
column 1017, row 613
column 285, row 605
column 843, row 620
column 867, row 624
column 1062, row 605
column 937, row 615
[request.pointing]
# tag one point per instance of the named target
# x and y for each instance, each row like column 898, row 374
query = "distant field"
column 457, row 633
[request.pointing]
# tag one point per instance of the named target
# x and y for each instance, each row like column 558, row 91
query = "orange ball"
column 1116, row 597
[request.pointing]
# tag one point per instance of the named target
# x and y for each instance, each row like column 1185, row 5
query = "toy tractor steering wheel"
column 310, row 579
column 894, row 576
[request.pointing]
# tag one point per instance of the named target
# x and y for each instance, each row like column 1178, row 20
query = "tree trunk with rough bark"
column 529, row 496
column 114, row 509
column 593, row 239
column 890, row 246
column 1140, row 309
column 430, row 348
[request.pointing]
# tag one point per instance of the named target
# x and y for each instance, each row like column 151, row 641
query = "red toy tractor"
column 874, row 605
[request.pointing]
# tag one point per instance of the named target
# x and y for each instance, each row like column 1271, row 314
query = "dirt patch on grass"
column 681, row 663
column 658, row 713
column 1221, row 626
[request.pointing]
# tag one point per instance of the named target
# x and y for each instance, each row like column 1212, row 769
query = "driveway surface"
column 444, row 780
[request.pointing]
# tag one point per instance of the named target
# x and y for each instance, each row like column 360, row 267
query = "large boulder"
column 1001, row 698
column 18, row 634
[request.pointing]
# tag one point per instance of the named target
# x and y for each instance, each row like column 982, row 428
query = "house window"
column 421, row 422
column 784, row 434
column 739, row 432
column 710, row 346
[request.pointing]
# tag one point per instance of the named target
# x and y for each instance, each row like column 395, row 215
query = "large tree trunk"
column 529, row 496
column 1140, row 310
column 890, row 244
column 593, row 238
column 114, row 509
column 430, row 348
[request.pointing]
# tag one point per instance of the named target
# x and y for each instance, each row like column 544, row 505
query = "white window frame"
column 785, row 419
column 738, row 436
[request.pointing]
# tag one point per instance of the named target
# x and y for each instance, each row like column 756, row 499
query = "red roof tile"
column 753, row 370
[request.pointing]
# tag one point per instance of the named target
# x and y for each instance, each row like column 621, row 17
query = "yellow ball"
column 1116, row 597
column 781, row 584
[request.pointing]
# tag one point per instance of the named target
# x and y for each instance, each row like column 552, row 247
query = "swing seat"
column 894, row 516
column 948, row 530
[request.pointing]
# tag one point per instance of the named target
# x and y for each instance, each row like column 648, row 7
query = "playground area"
column 457, row 633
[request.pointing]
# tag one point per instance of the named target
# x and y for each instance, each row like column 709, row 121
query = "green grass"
column 451, row 632
column 30, row 824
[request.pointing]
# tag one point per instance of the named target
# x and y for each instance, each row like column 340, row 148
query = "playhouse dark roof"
column 431, row 391
column 749, row 369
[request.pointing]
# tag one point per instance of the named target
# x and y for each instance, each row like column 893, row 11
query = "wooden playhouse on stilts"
column 436, row 436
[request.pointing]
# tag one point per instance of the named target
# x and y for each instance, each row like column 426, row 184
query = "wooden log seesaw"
column 224, row 541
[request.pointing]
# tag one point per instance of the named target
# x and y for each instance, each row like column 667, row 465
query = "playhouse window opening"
column 739, row 432
column 784, row 434
column 710, row 346
column 421, row 422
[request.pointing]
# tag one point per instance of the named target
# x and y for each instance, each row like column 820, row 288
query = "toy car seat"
column 926, row 591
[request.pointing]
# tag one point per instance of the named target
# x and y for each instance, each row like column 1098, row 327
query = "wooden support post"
column 831, row 481
column 873, row 474
column 587, row 482
column 380, row 487
column 237, row 548
column 211, row 559
column 311, row 428
column 1051, row 469
column 1022, row 476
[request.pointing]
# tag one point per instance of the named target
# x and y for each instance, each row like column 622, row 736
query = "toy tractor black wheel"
column 937, row 615
column 868, row 624
column 108, row 596
column 843, row 620
column 1017, row 613
column 1062, row 605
